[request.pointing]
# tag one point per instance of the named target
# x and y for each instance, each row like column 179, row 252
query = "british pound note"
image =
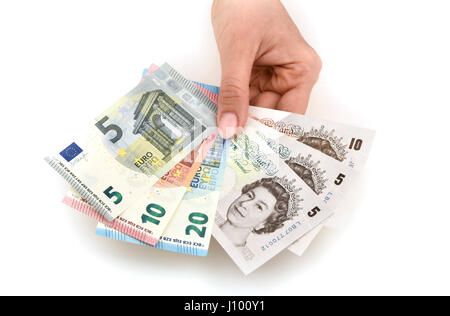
column 136, row 142
column 344, row 143
column 328, row 178
column 264, row 206
column 325, row 176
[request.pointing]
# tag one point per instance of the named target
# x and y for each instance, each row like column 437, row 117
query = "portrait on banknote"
column 261, row 208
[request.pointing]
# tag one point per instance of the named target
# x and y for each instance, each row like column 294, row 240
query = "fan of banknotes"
column 152, row 170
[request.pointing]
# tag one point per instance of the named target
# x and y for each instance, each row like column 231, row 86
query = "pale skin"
column 265, row 61
column 248, row 211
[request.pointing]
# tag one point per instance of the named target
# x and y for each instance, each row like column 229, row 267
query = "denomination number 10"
column 355, row 144
column 154, row 210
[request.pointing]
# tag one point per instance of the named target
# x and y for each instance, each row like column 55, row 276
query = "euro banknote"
column 146, row 222
column 173, row 238
column 189, row 230
column 264, row 206
column 136, row 141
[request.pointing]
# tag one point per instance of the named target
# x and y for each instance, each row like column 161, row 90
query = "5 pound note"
column 265, row 206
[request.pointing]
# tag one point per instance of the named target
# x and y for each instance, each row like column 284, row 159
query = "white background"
column 386, row 67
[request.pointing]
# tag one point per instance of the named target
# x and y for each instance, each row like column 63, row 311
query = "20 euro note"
column 189, row 230
column 146, row 222
column 265, row 206
column 137, row 141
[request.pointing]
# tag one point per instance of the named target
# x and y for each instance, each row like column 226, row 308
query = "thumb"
column 234, row 90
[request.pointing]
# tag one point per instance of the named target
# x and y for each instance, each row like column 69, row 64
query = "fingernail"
column 227, row 125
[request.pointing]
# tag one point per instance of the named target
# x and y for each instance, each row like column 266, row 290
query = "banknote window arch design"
column 262, row 208
column 162, row 122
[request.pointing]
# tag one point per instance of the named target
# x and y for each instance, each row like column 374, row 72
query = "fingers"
column 295, row 100
column 266, row 99
column 234, row 89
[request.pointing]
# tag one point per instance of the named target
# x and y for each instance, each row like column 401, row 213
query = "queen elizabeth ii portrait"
column 262, row 208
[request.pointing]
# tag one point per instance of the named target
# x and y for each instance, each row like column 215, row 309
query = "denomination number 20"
column 199, row 219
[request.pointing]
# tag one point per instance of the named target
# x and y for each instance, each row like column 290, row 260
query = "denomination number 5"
column 110, row 127
column 314, row 212
column 339, row 179
column 115, row 194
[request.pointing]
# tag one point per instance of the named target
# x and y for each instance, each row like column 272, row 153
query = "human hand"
column 265, row 61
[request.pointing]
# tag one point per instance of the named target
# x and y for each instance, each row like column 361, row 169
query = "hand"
column 265, row 61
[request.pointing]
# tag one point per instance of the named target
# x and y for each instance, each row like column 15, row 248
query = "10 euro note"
column 146, row 222
column 136, row 142
column 189, row 230
column 264, row 206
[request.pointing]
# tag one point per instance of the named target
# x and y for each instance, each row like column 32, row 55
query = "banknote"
column 189, row 230
column 264, row 206
column 347, row 144
column 137, row 141
column 146, row 222
column 212, row 92
column 325, row 176
column 130, row 234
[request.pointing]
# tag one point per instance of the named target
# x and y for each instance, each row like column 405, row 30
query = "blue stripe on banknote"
column 105, row 231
